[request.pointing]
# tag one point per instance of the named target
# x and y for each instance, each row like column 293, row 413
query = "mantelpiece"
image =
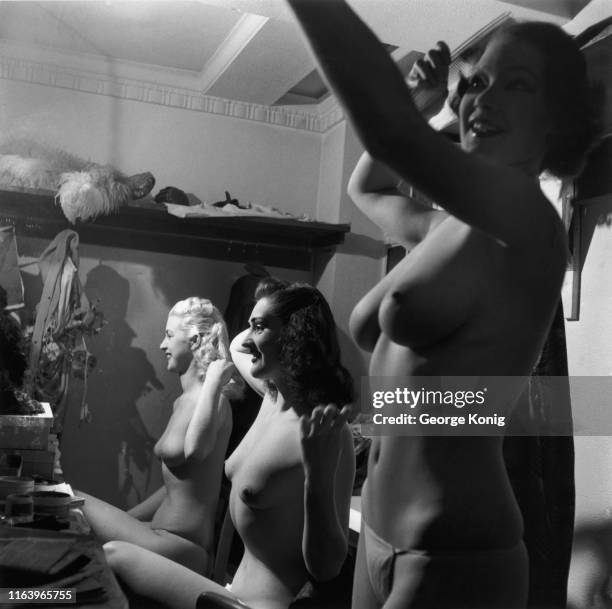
column 277, row 242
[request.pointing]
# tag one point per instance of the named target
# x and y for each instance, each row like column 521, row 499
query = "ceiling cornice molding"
column 36, row 72
column 330, row 113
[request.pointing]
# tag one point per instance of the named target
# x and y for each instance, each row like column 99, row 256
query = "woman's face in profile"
column 176, row 346
column 503, row 114
column 262, row 341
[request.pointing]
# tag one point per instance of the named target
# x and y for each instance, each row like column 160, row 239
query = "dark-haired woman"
column 291, row 475
column 475, row 295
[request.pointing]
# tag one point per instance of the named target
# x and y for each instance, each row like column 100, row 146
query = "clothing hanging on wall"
column 10, row 277
column 62, row 296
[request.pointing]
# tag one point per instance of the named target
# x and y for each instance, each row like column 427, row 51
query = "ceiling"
column 247, row 50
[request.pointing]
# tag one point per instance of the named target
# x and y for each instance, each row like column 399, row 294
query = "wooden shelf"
column 278, row 242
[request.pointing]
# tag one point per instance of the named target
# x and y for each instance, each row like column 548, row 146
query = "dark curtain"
column 541, row 471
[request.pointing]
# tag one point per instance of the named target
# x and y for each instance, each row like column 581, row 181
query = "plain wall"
column 205, row 154
column 359, row 262
column 589, row 346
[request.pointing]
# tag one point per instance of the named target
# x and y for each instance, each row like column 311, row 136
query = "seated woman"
column 474, row 297
column 177, row 521
column 291, row 475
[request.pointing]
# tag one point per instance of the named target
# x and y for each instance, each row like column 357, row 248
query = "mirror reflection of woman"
column 292, row 474
column 475, row 295
column 177, row 521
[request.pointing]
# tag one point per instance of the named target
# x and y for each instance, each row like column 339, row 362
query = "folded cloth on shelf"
column 208, row 211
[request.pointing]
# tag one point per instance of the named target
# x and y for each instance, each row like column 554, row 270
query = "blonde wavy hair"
column 200, row 316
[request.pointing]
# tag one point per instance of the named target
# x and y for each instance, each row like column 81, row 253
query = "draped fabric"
column 58, row 269
column 10, row 277
column 62, row 296
column 541, row 471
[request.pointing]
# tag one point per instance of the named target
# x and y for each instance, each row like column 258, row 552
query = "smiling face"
column 503, row 114
column 177, row 346
column 262, row 342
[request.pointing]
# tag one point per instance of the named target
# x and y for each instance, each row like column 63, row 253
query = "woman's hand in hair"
column 430, row 74
column 221, row 371
column 431, row 70
column 211, row 414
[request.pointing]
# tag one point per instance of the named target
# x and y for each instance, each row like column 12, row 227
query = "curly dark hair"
column 308, row 345
column 575, row 104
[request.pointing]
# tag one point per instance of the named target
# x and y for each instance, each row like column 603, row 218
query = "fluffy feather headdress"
column 84, row 189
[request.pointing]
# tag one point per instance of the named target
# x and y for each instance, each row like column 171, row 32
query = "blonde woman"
column 177, row 521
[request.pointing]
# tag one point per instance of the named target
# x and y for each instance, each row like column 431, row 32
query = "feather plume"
column 84, row 195
column 86, row 189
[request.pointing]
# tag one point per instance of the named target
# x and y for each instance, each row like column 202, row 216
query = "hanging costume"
column 62, row 296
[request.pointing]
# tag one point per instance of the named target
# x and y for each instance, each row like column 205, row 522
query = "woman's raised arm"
column 242, row 360
column 499, row 200
column 329, row 470
column 195, row 425
column 374, row 190
column 211, row 412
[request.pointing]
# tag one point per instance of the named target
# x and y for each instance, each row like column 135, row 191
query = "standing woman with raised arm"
column 177, row 521
column 475, row 295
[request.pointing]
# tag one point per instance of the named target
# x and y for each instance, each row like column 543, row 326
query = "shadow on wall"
column 173, row 286
column 93, row 452
column 362, row 245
